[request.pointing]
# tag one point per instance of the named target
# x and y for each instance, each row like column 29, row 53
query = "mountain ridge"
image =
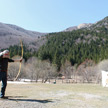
column 80, row 26
column 11, row 34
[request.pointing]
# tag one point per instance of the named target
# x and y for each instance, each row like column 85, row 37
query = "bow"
column 20, row 62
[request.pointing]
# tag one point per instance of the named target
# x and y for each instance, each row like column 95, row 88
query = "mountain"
column 99, row 25
column 88, row 42
column 11, row 35
column 84, row 25
column 89, row 26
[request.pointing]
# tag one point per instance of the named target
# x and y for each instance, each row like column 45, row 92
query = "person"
column 4, row 59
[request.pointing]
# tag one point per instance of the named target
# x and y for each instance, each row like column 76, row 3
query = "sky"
column 51, row 15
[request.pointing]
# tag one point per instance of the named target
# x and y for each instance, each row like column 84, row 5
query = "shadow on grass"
column 12, row 98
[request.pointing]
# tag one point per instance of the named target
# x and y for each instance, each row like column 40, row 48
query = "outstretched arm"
column 18, row 60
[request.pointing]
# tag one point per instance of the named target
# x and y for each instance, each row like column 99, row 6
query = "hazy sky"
column 51, row 15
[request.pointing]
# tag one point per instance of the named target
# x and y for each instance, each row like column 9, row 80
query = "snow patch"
column 16, row 82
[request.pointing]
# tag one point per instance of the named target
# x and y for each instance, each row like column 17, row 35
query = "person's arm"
column 15, row 60
column 18, row 60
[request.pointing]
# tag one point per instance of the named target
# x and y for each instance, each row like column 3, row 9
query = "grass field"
column 55, row 96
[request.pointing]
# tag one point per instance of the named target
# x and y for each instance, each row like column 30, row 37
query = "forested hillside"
column 78, row 45
column 74, row 46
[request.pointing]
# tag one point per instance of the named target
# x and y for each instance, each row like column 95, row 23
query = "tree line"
column 75, row 47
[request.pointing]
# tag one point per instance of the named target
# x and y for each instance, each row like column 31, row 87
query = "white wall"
column 104, row 78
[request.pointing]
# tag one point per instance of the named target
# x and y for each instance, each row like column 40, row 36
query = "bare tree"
column 40, row 69
column 68, row 71
column 12, row 70
column 31, row 68
column 47, row 71
column 103, row 65
column 85, row 71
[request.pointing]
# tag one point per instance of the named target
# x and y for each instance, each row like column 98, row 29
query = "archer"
column 4, row 59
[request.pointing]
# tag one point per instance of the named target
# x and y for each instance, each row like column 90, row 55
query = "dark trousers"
column 3, row 78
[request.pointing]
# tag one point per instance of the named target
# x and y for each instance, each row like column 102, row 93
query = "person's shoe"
column 4, row 97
